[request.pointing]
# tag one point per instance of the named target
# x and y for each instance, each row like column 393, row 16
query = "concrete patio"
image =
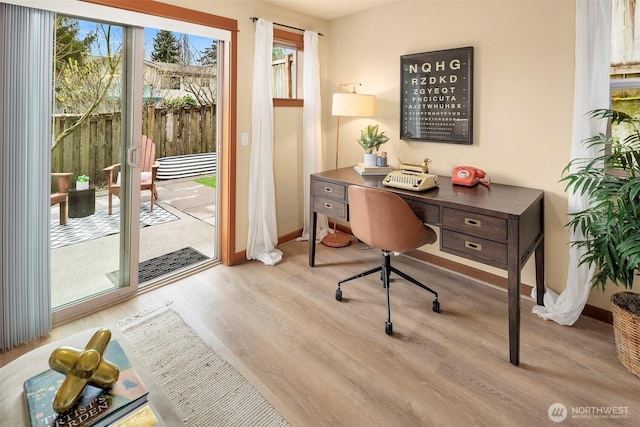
column 80, row 270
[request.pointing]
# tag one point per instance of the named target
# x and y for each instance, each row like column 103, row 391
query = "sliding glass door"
column 180, row 122
column 97, row 127
column 97, row 140
column 152, row 128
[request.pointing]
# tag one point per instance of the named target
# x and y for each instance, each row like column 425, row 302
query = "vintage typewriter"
column 411, row 177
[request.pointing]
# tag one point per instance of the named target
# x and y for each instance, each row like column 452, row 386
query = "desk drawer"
column 328, row 189
column 330, row 207
column 475, row 248
column 427, row 212
column 475, row 224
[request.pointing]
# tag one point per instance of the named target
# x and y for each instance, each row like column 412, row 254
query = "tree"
column 166, row 47
column 197, row 80
column 199, row 85
column 277, row 52
column 209, row 55
column 83, row 86
column 69, row 47
column 185, row 50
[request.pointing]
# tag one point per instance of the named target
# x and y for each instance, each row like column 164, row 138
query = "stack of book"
column 124, row 404
column 363, row 169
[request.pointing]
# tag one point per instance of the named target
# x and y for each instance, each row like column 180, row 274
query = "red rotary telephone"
column 469, row 176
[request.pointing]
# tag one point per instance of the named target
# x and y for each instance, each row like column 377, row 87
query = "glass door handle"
column 133, row 157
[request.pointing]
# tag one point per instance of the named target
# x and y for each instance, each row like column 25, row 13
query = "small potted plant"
column 611, row 224
column 82, row 182
column 370, row 140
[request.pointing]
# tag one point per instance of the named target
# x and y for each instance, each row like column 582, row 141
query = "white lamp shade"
column 353, row 105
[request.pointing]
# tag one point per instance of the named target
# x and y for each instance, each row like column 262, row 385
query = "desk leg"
column 513, row 289
column 540, row 272
column 312, row 239
column 514, row 317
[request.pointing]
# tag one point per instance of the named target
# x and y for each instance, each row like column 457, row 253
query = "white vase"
column 370, row 159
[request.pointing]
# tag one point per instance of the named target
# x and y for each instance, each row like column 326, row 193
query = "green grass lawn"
column 209, row 181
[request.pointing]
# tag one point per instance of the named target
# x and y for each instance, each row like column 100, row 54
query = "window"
column 283, row 63
column 625, row 64
column 174, row 82
column 287, row 65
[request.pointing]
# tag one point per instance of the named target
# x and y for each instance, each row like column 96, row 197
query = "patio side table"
column 81, row 203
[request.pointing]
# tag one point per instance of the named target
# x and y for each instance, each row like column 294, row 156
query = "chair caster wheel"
column 339, row 294
column 436, row 306
column 388, row 328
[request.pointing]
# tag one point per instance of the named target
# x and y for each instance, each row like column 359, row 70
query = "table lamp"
column 347, row 104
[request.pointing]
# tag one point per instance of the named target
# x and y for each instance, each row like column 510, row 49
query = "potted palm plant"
column 370, row 140
column 611, row 224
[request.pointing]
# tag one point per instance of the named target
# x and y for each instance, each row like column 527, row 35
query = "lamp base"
column 336, row 240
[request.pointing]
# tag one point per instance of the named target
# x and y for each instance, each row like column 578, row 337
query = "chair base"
column 385, row 272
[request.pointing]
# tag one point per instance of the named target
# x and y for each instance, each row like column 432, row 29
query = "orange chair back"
column 148, row 154
column 383, row 220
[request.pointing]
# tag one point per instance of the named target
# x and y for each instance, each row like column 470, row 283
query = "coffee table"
column 12, row 376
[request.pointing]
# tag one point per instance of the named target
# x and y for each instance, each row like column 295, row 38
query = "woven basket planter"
column 626, row 329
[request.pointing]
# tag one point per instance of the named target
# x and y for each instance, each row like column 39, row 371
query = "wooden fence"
column 283, row 73
column 96, row 143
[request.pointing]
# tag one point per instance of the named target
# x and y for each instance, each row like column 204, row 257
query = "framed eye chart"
column 436, row 96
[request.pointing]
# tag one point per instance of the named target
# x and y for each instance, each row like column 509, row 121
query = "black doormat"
column 164, row 264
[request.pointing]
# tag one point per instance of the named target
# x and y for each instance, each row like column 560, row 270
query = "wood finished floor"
column 321, row 362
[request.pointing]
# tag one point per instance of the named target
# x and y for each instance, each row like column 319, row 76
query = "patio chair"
column 148, row 171
column 60, row 197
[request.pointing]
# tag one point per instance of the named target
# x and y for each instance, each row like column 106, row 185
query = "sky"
column 197, row 43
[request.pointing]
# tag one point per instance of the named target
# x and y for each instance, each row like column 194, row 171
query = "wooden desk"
column 501, row 226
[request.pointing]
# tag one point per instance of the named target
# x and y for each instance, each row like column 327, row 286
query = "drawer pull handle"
column 328, row 190
column 328, row 205
column 471, row 245
column 473, row 222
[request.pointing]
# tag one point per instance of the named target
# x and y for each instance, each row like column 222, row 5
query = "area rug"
column 203, row 387
column 102, row 224
column 164, row 264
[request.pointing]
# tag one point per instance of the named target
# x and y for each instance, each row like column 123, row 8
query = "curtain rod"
column 254, row 19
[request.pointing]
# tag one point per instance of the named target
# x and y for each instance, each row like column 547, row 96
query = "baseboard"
column 242, row 255
column 499, row 281
column 490, row 278
column 598, row 313
column 290, row 236
column 472, row 272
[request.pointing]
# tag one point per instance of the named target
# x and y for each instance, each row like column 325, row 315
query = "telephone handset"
column 469, row 176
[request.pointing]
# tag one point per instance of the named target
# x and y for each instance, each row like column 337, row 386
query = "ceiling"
column 328, row 9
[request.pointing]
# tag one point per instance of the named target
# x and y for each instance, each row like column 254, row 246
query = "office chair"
column 383, row 220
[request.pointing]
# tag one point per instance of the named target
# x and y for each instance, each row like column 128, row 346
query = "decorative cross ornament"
column 82, row 367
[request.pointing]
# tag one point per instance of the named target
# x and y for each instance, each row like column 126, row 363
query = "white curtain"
column 263, row 229
column 312, row 158
column 26, row 69
column 592, row 62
